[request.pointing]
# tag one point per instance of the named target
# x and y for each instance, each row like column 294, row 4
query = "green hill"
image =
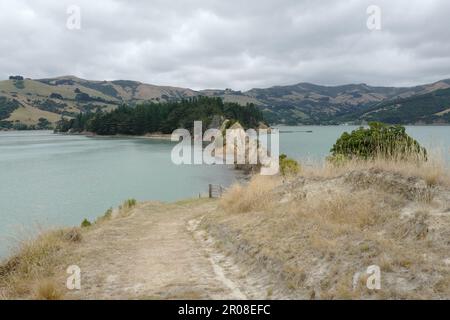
column 25, row 102
column 428, row 108
column 33, row 103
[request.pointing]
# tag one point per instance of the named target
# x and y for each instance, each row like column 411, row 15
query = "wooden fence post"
column 210, row 190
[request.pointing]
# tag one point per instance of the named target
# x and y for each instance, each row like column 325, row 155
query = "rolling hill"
column 433, row 107
column 39, row 103
column 313, row 104
column 25, row 101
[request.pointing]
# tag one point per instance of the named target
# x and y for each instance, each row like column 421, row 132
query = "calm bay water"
column 54, row 180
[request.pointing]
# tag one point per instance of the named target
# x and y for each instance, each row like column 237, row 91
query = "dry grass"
column 32, row 271
column 434, row 171
column 48, row 289
column 257, row 195
column 358, row 209
column 314, row 233
column 30, row 115
column 126, row 208
column 34, row 260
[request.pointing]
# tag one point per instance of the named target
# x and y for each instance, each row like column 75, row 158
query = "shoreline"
column 279, row 125
column 153, row 136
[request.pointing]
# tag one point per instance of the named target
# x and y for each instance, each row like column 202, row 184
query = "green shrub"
column 337, row 160
column 130, row 203
column 86, row 223
column 379, row 140
column 288, row 166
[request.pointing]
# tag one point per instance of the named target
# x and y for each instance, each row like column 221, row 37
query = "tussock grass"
column 125, row 209
column 434, row 170
column 30, row 272
column 48, row 289
column 358, row 209
column 36, row 259
column 255, row 196
column 105, row 217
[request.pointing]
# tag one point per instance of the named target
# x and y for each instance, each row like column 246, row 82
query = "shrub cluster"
column 378, row 140
column 288, row 166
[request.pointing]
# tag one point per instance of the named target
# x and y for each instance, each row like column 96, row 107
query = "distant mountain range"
column 41, row 102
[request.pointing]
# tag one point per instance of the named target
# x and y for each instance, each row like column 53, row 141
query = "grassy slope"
column 30, row 115
column 112, row 94
column 35, row 88
column 38, row 91
column 314, row 235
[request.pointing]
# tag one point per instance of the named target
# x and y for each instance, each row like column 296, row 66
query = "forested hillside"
column 429, row 108
column 162, row 117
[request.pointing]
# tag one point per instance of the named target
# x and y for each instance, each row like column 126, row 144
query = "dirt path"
column 156, row 252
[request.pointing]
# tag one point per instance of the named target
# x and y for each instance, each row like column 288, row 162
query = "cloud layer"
column 228, row 44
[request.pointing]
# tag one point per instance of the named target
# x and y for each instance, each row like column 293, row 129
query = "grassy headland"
column 310, row 236
column 315, row 235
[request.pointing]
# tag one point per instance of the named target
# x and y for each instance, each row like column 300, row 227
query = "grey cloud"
column 220, row 44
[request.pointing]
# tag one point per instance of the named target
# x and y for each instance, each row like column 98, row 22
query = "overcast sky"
column 228, row 44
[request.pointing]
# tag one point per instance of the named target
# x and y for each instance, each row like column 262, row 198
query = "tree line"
column 162, row 117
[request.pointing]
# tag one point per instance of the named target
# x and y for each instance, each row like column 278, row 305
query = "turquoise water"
column 53, row 180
